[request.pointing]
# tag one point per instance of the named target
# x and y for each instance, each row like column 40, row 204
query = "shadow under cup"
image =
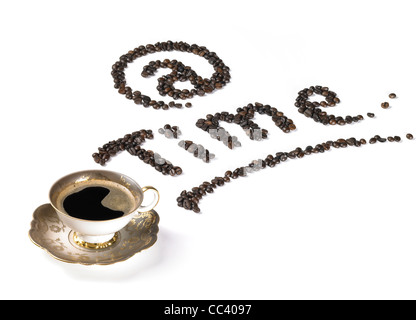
column 125, row 195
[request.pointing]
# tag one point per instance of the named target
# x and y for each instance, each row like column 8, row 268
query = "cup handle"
column 154, row 202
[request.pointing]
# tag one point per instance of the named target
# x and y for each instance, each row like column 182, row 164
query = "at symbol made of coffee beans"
column 180, row 72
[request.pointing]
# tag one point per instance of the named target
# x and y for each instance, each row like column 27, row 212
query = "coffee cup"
column 96, row 204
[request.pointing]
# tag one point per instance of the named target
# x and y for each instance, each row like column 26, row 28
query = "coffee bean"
column 370, row 115
column 187, row 204
column 168, row 133
column 392, row 95
column 409, row 136
column 188, row 143
column 397, row 138
column 385, row 105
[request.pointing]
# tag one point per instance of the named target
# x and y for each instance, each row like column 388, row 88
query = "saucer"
column 49, row 233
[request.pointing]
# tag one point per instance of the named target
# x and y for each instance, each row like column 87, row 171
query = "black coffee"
column 87, row 204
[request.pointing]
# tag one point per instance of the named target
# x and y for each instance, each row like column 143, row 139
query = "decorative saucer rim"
column 154, row 230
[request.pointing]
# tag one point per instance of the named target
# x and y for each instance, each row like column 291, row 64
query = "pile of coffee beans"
column 197, row 150
column 313, row 109
column 377, row 138
column 394, row 139
column 132, row 143
column 170, row 131
column 243, row 118
column 190, row 199
column 180, row 72
column 227, row 139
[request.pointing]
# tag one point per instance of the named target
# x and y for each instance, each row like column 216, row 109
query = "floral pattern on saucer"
column 48, row 232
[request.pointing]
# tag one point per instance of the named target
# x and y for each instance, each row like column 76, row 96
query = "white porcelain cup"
column 96, row 233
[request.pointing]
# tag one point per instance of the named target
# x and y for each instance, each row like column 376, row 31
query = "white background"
column 339, row 225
